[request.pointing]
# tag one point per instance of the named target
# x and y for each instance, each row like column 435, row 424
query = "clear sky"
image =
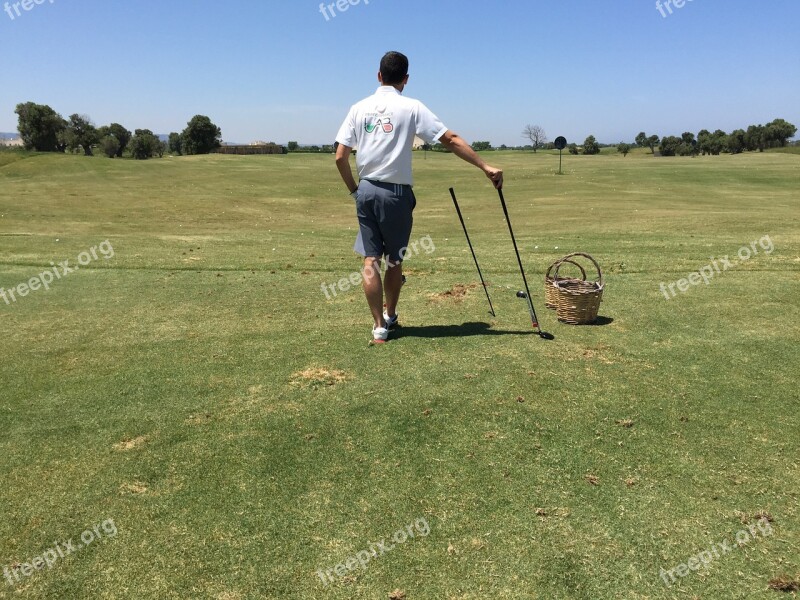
column 279, row 70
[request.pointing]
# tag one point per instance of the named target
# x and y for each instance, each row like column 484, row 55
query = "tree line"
column 775, row 134
column 43, row 129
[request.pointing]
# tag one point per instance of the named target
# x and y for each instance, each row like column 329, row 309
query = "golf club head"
column 521, row 294
column 546, row 336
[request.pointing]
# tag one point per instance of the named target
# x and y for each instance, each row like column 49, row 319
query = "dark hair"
column 394, row 68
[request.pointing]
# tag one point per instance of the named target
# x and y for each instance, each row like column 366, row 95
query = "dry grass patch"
column 318, row 376
column 130, row 443
column 137, row 487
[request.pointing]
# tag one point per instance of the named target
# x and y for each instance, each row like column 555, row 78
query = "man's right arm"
column 343, row 164
column 458, row 146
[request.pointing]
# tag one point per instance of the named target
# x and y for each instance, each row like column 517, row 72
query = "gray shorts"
column 384, row 219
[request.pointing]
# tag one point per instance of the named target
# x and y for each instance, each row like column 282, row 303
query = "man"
column 383, row 127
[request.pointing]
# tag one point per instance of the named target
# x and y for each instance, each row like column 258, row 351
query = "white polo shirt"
column 383, row 127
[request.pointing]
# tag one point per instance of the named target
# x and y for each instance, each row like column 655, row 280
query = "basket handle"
column 566, row 260
column 584, row 255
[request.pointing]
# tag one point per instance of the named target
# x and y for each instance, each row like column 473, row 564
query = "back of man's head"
column 394, row 68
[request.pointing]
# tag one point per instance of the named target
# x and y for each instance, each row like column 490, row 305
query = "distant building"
column 12, row 143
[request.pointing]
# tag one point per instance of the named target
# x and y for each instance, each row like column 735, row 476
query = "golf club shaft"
column 534, row 319
column 460, row 218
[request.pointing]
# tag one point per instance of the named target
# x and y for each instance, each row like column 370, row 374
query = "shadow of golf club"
column 442, row 331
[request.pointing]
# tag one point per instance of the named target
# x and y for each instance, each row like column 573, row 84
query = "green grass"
column 171, row 387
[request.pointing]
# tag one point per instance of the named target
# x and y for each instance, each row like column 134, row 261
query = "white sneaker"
column 379, row 335
column 390, row 321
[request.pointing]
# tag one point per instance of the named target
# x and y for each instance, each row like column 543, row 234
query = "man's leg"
column 373, row 289
column 393, row 282
column 399, row 215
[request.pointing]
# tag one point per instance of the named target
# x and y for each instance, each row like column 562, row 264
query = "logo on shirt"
column 384, row 123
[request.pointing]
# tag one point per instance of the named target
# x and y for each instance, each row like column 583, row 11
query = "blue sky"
column 277, row 70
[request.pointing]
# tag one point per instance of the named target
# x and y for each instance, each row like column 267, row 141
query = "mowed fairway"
column 199, row 388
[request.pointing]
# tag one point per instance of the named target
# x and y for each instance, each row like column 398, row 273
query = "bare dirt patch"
column 456, row 293
column 784, row 583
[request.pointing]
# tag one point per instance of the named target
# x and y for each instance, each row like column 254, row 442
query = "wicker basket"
column 550, row 290
column 578, row 301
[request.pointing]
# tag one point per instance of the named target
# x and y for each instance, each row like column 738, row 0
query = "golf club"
column 527, row 293
column 458, row 210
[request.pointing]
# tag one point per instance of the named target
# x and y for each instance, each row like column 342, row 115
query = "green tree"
column 110, row 145
column 735, row 142
column 623, row 148
column 573, row 148
column 779, row 131
column 590, row 146
column 641, row 139
column 292, row 146
column 480, row 146
column 652, row 142
column 144, row 144
column 718, row 140
column 119, row 133
column 669, row 145
column 175, row 143
column 39, row 127
column 755, row 138
column 704, row 141
column 687, row 145
column 123, row 137
column 201, row 136
column 81, row 133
